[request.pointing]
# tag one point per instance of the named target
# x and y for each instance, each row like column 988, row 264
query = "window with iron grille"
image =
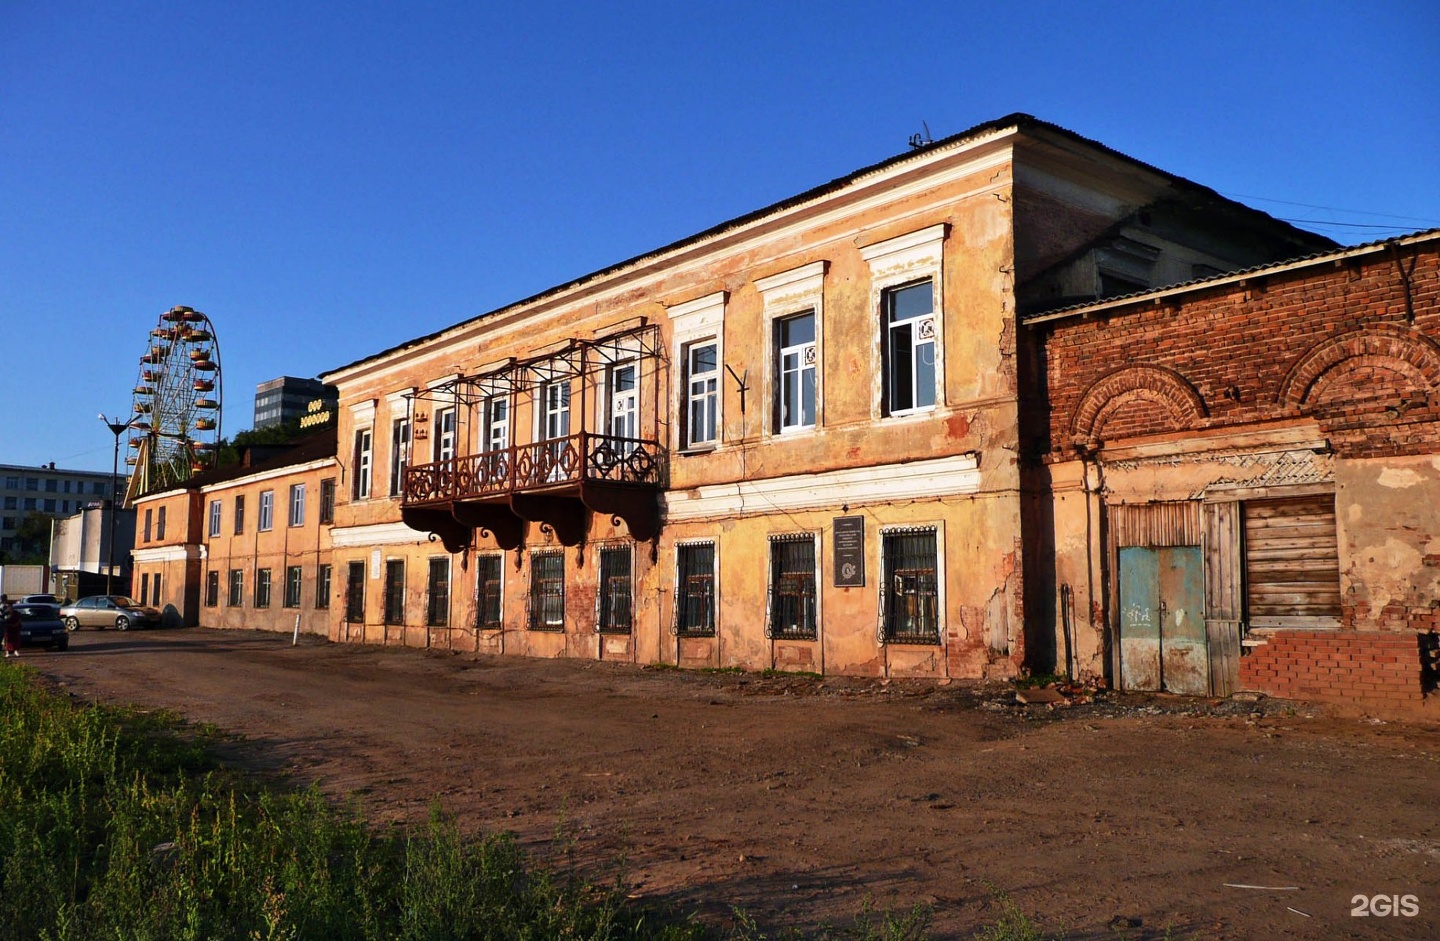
column 322, row 586
column 488, row 588
column 212, row 589
column 355, row 593
column 792, row 587
column 237, row 588
column 394, row 591
column 327, row 500
column 695, row 589
column 293, row 582
column 262, row 588
column 615, row 595
column 437, row 607
column 547, row 591
column 910, row 597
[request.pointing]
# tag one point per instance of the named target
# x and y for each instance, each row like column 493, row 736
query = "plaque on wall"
column 849, row 552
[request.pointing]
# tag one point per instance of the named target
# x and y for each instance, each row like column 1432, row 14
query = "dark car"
column 104, row 611
column 40, row 626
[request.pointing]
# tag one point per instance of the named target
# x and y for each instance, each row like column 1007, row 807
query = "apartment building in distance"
column 46, row 489
column 289, row 399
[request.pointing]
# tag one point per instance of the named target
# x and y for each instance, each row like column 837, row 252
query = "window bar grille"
column 911, row 602
column 616, row 614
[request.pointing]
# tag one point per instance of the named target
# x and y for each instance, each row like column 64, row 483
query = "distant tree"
column 272, row 434
column 32, row 541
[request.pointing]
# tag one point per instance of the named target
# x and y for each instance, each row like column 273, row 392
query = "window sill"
column 548, row 628
column 698, row 449
column 695, row 633
column 911, row 641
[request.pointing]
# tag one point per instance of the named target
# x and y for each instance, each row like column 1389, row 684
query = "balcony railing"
column 540, row 465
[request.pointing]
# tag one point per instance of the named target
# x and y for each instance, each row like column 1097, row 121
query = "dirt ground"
column 796, row 799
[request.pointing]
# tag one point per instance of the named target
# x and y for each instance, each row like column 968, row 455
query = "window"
column 214, row 518
column 695, row 589
column 212, row 589
column 556, row 427
column 267, row 511
column 52, row 485
column 795, row 340
column 488, row 589
column 547, row 591
column 297, row 504
column 437, row 607
column 144, row 587
column 32, row 483
column 355, row 593
column 67, row 485
column 444, row 434
column 394, row 591
column 49, row 506
column 616, row 615
column 262, row 588
column 1292, row 562
column 155, row 591
column 792, row 587
column 294, row 580
column 12, row 482
column 910, row 597
column 322, row 586
column 239, row 513
column 399, row 454
column 12, row 503
column 909, row 313
column 64, row 506
column 30, row 505
column 149, row 517
column 160, row 523
column 497, row 423
column 702, row 384
column 327, row 500
column 363, row 447
column 237, row 588
column 99, row 488
column 624, row 402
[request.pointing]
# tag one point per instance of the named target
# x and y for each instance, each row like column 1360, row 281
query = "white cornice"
column 375, row 534
column 183, row 553
column 939, row 477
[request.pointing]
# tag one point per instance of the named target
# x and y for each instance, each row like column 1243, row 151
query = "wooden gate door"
column 1162, row 620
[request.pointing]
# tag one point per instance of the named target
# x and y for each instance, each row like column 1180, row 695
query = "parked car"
column 40, row 626
column 102, row 611
column 39, row 599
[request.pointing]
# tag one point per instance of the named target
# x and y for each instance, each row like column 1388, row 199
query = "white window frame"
column 790, row 294
column 622, row 407
column 399, row 453
column 896, row 263
column 497, row 427
column 297, row 504
column 266, row 519
column 443, row 428
column 364, row 456
column 695, row 324
column 215, row 518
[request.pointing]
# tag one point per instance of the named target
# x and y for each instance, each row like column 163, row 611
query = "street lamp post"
column 117, row 428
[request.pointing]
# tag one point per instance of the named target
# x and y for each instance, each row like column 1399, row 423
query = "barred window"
column 488, row 588
column 394, row 591
column 547, row 591
column 262, row 588
column 616, row 616
column 437, row 608
column 237, row 588
column 355, row 593
column 910, row 599
column 792, row 587
column 695, row 591
column 294, row 578
column 322, row 586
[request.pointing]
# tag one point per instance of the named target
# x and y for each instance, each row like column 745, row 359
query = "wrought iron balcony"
column 553, row 482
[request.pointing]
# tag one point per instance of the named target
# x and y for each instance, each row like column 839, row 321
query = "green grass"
column 121, row 824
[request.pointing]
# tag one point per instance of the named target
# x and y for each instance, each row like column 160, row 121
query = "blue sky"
column 326, row 180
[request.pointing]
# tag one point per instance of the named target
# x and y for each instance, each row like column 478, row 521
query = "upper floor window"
column 702, row 394
column 364, row 446
column 795, row 341
column 444, row 434
column 556, row 416
column 497, row 423
column 267, row 511
column 99, row 488
column 239, row 513
column 214, row 518
column 52, row 485
column 909, row 313
column 327, row 500
column 399, row 454
column 149, row 518
column 49, row 506
column 32, row 483
column 12, row 482
column 160, row 524
column 297, row 504
column 624, row 401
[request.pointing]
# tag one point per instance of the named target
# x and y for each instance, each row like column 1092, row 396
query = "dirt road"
column 796, row 799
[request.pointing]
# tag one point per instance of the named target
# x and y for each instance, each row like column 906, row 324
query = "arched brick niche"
column 1137, row 400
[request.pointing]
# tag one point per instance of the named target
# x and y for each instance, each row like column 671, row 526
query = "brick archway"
column 1132, row 386
column 1387, row 346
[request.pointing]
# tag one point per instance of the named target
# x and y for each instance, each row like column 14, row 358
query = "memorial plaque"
column 849, row 552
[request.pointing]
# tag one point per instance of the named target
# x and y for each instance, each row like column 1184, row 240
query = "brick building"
column 1238, row 479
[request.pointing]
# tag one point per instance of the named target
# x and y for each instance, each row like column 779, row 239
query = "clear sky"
column 326, row 180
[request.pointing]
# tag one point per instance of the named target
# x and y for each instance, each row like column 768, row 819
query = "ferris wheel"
column 177, row 403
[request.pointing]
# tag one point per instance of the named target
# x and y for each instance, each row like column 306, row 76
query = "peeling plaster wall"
column 1388, row 512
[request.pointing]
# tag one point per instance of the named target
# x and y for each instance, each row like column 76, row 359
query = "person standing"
column 10, row 620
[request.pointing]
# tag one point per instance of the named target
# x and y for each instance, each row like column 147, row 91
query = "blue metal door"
column 1162, row 622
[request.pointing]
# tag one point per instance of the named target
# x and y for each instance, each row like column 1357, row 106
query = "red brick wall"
column 1378, row 669
column 1347, row 345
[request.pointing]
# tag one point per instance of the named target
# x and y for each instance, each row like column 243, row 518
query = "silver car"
column 102, row 611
